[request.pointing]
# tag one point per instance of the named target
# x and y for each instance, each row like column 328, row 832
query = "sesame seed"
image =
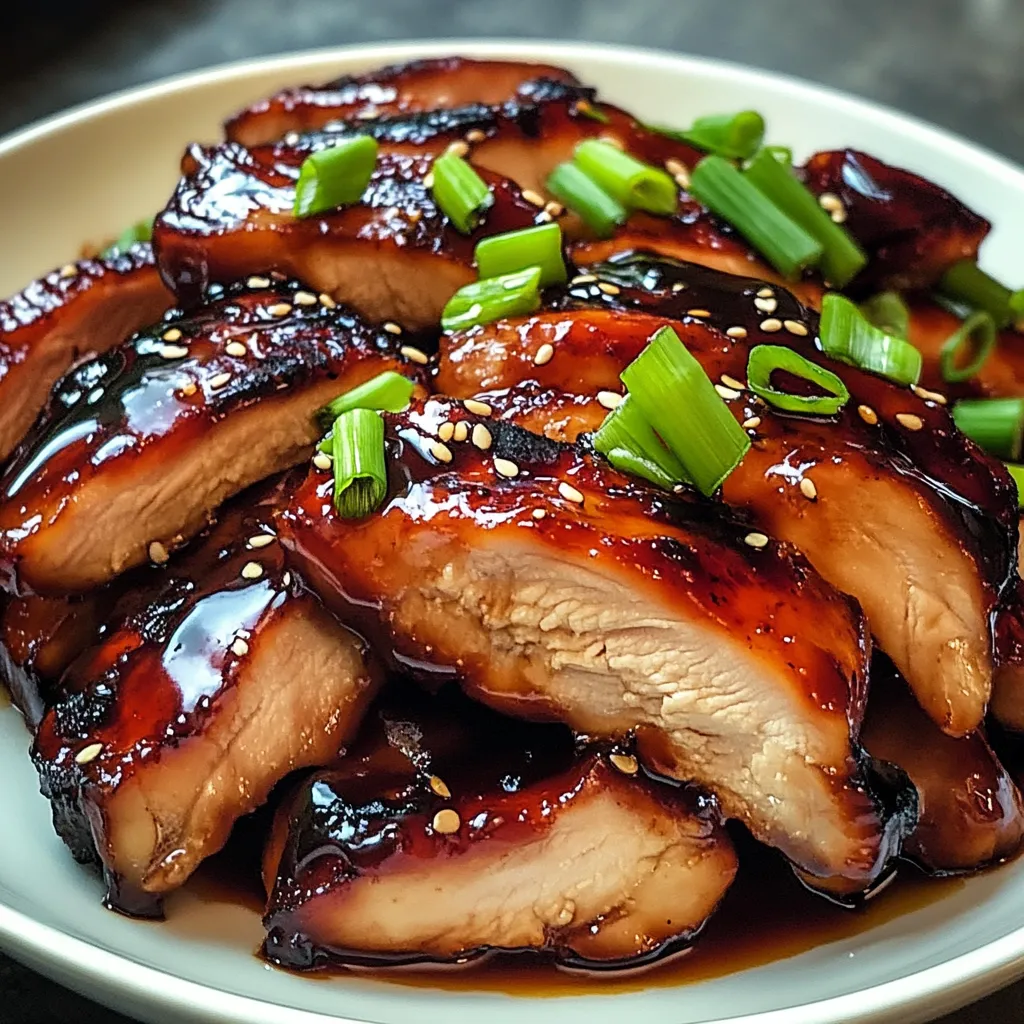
column 737, row 332
column 765, row 293
column 322, row 460
column 570, row 493
column 252, row 571
column 440, row 451
column 428, row 180
column 286, row 579
column 839, row 216
column 928, row 396
column 610, row 399
column 458, row 148
column 304, row 299
column 732, row 382
column 475, row 135
column 756, row 540
column 220, row 380
column 414, row 354
column 752, row 423
column 626, row 763
column 674, row 166
column 437, row 784
column 261, row 540
column 189, row 387
column 240, row 647
column 172, row 335
column 482, row 437
column 808, row 489
column 867, row 414
column 506, row 467
column 682, row 179
column 584, row 279
column 446, row 430
column 392, row 328
column 767, row 305
column 609, row 289
column 279, row 309
column 678, row 286
column 726, row 393
column 538, row 513
column 699, row 313
column 544, row 354
column 534, row 198
column 447, row 822
column 795, row 327
column 461, row 431
column 771, row 325
column 554, row 209
column 477, row 407
column 543, row 218
column 89, row 753
column 258, row 282
column 68, row 270
column 909, row 420
column 326, row 301
column 830, row 201
column 158, row 553
column 236, row 348
column 613, row 140
column 173, row 351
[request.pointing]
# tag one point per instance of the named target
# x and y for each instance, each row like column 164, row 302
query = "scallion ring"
column 996, row 424
column 628, row 441
column 581, row 194
column 460, row 192
column 764, row 360
column 335, row 176
column 735, row 136
column 888, row 312
column 360, row 471
column 976, row 339
column 634, row 184
column 539, row 246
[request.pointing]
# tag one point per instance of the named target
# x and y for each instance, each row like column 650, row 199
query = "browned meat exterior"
column 82, row 308
column 555, row 587
column 469, row 833
column 970, row 810
column 437, row 83
column 140, row 446
column 1008, row 685
column 183, row 719
column 917, row 524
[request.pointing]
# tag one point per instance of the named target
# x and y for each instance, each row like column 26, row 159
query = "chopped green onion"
column 975, row 337
column 493, row 298
column 140, row 231
column 629, row 443
column 1017, row 473
column 460, row 192
column 581, row 194
column 966, row 282
column 781, row 153
column 764, row 360
column 736, row 136
column 841, row 258
column 725, row 191
column 636, row 185
column 997, row 424
column 846, row 335
column 674, row 394
column 336, row 176
column 587, row 109
column 360, row 473
column 888, row 312
column 387, row 392
column 539, row 246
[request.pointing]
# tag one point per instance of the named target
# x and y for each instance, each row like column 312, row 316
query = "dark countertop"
column 955, row 62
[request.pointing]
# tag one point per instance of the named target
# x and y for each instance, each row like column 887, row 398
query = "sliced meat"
column 971, row 812
column 185, row 717
column 435, row 83
column 502, row 837
column 555, row 587
column 1008, row 685
column 918, row 525
column 139, row 446
column 84, row 307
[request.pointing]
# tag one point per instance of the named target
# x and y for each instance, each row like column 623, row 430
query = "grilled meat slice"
column 1008, row 686
column 140, row 446
column 437, row 83
column 442, row 847
column 182, row 720
column 82, row 308
column 555, row 587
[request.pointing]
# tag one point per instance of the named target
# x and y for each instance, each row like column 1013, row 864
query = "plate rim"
column 940, row 988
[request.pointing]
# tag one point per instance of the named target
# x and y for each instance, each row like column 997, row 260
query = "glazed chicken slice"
column 554, row 587
column 138, row 447
column 85, row 307
column 436, row 83
column 181, row 721
column 469, row 833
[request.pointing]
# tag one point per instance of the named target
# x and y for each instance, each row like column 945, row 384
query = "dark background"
column 959, row 63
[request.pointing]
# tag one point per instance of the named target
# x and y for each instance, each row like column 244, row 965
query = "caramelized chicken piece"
column 859, row 496
column 1008, row 686
column 555, row 587
column 140, row 446
column 469, row 833
column 228, row 678
column 436, row 83
column 85, row 307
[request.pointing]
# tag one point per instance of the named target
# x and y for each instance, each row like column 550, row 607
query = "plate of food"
column 506, row 529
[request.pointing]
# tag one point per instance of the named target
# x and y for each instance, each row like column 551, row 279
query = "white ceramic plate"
column 83, row 176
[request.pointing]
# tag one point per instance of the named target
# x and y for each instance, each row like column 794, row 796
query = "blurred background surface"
column 957, row 63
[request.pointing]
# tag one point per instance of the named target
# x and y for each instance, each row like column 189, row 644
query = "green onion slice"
column 460, row 192
column 387, row 392
column 975, row 340
column 360, row 473
column 493, row 298
column 724, row 190
column 539, row 246
column 140, row 231
column 781, row 153
column 764, row 360
column 888, row 312
column 848, row 336
column 967, row 283
column 1017, row 473
column 336, row 176
column 736, row 136
column 673, row 393
column 630, row 444
column 997, row 424
column 581, row 194
column 841, row 258
column 587, row 109
column 634, row 184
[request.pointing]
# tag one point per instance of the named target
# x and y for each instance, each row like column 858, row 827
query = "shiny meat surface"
column 452, row 831
column 139, row 446
column 554, row 587
column 185, row 717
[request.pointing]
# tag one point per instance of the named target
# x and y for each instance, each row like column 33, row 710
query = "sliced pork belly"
column 84, row 307
column 469, row 833
column 139, row 446
column 436, row 83
column 555, row 587
column 184, row 718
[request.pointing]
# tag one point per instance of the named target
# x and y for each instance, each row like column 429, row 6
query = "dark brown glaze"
column 1008, row 686
column 911, row 229
column 431, row 84
column 143, row 443
column 84, row 307
column 457, row 576
column 210, row 691
column 971, row 812
column 589, row 866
